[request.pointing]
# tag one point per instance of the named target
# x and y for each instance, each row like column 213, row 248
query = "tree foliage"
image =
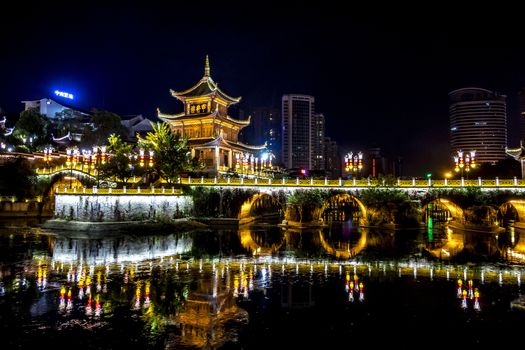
column 104, row 124
column 171, row 152
column 17, row 178
column 119, row 165
column 32, row 125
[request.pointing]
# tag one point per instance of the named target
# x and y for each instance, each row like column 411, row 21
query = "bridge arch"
column 340, row 207
column 253, row 243
column 443, row 210
column 512, row 210
column 258, row 205
column 344, row 250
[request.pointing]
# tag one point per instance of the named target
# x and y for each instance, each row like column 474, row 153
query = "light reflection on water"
column 240, row 288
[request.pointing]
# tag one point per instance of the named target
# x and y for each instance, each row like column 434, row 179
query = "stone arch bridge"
column 339, row 201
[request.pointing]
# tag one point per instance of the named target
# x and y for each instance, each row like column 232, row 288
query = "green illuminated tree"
column 120, row 165
column 31, row 129
column 171, row 152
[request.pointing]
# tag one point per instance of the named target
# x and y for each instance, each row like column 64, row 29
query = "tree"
column 119, row 165
column 17, row 178
column 32, row 129
column 104, row 124
column 171, row 152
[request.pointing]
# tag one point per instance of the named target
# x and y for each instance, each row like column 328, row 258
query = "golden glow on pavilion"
column 213, row 134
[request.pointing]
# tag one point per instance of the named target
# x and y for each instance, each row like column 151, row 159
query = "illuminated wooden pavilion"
column 212, row 134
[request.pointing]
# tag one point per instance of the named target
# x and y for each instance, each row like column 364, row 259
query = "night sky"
column 381, row 76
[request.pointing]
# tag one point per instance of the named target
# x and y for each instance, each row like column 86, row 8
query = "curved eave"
column 63, row 138
column 248, row 147
column 238, row 121
column 228, row 98
column 178, row 94
column 166, row 117
column 212, row 86
column 515, row 153
column 220, row 141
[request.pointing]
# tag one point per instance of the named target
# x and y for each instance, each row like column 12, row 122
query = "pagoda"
column 212, row 134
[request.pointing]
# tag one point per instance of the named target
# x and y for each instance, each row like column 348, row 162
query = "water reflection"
column 452, row 243
column 213, row 288
column 119, row 249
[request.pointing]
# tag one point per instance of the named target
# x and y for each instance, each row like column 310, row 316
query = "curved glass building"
column 478, row 121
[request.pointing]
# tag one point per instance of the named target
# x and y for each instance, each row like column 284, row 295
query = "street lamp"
column 71, row 162
column 98, row 157
column 47, row 155
column 464, row 161
column 354, row 162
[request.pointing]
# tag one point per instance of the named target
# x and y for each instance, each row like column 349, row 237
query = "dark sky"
column 380, row 75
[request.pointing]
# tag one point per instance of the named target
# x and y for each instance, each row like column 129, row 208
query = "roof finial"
column 207, row 67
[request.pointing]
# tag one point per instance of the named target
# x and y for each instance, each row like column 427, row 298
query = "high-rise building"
column 265, row 128
column 297, row 112
column 317, row 142
column 522, row 115
column 332, row 159
column 478, row 122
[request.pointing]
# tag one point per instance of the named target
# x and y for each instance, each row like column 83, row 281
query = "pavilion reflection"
column 210, row 315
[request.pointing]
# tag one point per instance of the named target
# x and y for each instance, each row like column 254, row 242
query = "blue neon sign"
column 64, row 94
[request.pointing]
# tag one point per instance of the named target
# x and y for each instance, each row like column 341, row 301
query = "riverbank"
column 84, row 228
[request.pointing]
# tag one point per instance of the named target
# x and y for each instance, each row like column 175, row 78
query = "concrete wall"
column 84, row 207
column 30, row 208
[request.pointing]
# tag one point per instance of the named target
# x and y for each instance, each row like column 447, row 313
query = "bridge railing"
column 301, row 182
column 361, row 183
column 76, row 170
column 121, row 191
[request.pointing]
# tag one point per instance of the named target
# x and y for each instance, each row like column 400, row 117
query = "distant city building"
column 317, row 141
column 332, row 159
column 478, row 121
column 136, row 124
column 265, row 127
column 375, row 162
column 522, row 114
column 54, row 110
column 68, row 122
column 297, row 112
column 213, row 134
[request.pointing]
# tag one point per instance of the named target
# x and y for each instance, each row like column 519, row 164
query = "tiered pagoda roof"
column 222, row 142
column 205, row 87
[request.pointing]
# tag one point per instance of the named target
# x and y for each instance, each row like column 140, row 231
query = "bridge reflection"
column 172, row 284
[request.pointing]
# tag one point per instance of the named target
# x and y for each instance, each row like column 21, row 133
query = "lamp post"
column 464, row 161
column 71, row 162
column 98, row 157
column 146, row 160
column 47, row 155
column 354, row 162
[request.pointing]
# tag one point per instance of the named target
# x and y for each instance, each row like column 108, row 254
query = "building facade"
column 332, row 159
column 68, row 122
column 317, row 142
column 265, row 128
column 213, row 135
column 478, row 122
column 297, row 114
column 521, row 95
